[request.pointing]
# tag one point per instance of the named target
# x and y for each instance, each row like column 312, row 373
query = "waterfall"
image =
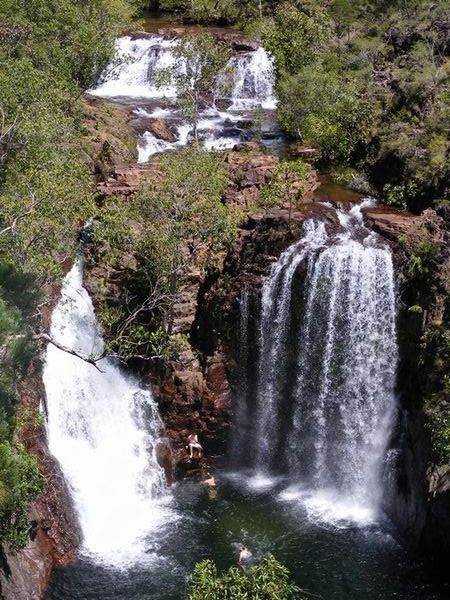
column 133, row 77
column 274, row 326
column 325, row 381
column 104, row 428
column 133, row 73
column 254, row 80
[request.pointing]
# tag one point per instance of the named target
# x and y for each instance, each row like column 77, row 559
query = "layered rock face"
column 193, row 391
column 418, row 496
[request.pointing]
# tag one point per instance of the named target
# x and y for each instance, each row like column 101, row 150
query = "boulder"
column 389, row 222
column 162, row 130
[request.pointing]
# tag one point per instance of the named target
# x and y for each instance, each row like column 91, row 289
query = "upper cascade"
column 133, row 78
column 324, row 401
column 104, row 428
column 133, row 74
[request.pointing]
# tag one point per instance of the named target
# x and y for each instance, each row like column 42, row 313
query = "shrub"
column 269, row 580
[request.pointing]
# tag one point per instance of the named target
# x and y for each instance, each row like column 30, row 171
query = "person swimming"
column 245, row 557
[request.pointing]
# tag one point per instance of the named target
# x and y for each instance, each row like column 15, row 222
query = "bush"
column 269, row 580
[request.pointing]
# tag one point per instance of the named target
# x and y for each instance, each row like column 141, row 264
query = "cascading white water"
column 324, row 418
column 133, row 76
column 254, row 80
column 133, row 73
column 275, row 321
column 103, row 427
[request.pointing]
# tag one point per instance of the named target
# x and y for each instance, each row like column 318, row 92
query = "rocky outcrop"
column 418, row 498
column 389, row 222
column 250, row 168
column 110, row 140
column 162, row 130
column 194, row 396
column 125, row 181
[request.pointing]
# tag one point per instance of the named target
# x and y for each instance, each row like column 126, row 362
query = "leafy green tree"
column 269, row 580
column 175, row 223
column 296, row 36
column 322, row 108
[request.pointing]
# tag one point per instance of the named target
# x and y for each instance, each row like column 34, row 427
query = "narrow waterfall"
column 132, row 75
column 103, row 428
column 324, row 397
column 254, row 80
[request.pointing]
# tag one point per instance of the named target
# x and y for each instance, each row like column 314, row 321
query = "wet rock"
column 304, row 152
column 223, row 103
column 389, row 222
column 249, row 147
column 237, row 41
column 162, row 130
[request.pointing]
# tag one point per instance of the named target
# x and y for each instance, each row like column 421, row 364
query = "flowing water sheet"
column 103, row 427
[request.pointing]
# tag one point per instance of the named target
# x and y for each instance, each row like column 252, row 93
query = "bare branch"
column 88, row 359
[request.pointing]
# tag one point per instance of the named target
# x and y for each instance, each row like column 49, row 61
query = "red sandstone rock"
column 162, row 130
column 389, row 222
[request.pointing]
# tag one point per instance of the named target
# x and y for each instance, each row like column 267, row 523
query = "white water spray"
column 103, row 427
column 323, row 418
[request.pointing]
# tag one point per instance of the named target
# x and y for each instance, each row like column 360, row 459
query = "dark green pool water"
column 332, row 563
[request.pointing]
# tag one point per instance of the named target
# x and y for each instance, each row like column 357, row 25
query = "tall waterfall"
column 324, row 401
column 103, row 427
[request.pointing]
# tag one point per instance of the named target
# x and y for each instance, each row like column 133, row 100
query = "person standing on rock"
column 194, row 446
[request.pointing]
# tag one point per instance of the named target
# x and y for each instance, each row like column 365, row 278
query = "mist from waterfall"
column 323, row 402
column 104, row 428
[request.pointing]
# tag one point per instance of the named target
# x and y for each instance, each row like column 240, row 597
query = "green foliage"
column 280, row 188
column 20, row 482
column 269, row 580
column 73, row 40
column 176, row 222
column 366, row 83
column 436, row 344
column 295, row 36
column 211, row 11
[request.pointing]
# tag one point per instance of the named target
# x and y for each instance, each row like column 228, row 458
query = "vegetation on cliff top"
column 175, row 225
column 364, row 81
column 367, row 82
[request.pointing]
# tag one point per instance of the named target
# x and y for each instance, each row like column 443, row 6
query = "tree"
column 269, row 580
column 196, row 74
column 176, row 222
column 295, row 36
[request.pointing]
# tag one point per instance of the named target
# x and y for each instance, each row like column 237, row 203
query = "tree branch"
column 88, row 359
